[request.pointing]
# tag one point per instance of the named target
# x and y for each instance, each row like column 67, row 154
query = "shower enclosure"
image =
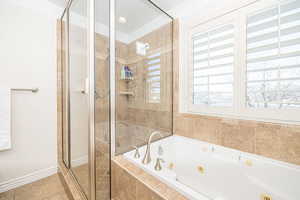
column 115, row 85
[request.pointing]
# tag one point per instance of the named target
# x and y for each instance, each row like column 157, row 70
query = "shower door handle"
column 86, row 87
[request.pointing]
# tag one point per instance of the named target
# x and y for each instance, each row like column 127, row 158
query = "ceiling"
column 136, row 12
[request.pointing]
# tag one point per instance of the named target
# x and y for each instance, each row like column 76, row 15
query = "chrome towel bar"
column 34, row 90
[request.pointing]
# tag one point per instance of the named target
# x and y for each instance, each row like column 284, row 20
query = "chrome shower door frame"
column 91, row 99
column 65, row 88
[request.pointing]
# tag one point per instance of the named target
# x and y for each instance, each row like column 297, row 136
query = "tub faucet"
column 147, row 157
column 158, row 166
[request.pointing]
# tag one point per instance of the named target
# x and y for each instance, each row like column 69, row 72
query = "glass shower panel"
column 143, row 73
column 102, row 117
column 78, row 96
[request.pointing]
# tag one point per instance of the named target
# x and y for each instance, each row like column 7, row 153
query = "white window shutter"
column 213, row 61
column 153, row 77
column 273, row 57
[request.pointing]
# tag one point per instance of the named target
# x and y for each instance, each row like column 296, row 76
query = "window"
column 245, row 64
column 213, row 56
column 153, row 78
column 273, row 57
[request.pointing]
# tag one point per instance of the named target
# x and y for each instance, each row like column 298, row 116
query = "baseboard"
column 29, row 178
column 80, row 161
column 35, row 176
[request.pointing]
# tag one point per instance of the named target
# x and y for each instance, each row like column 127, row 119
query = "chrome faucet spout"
column 147, row 157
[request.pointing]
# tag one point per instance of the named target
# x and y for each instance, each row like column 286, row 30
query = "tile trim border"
column 29, row 178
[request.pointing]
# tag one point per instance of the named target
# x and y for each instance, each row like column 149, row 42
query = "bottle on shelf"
column 126, row 73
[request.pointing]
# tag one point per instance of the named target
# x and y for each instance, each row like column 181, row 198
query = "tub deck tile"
column 146, row 186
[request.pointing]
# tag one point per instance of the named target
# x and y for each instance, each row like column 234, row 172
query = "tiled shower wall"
column 273, row 140
column 136, row 117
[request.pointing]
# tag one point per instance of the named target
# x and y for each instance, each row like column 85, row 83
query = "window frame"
column 207, row 109
column 239, row 109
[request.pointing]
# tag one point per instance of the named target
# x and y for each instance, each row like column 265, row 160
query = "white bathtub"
column 226, row 174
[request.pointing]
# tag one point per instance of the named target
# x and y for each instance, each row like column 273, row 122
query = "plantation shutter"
column 273, row 57
column 213, row 61
column 153, row 77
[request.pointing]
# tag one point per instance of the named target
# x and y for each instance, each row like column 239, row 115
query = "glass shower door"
column 88, row 104
column 78, row 94
column 144, row 94
column 102, row 101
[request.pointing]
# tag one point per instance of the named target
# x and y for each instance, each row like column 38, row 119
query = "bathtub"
column 203, row 171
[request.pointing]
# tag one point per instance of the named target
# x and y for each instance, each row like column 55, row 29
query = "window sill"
column 250, row 117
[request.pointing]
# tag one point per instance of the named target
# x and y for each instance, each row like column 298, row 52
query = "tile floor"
column 50, row 188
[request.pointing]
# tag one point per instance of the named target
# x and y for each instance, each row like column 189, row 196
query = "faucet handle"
column 137, row 152
column 158, row 164
column 160, row 150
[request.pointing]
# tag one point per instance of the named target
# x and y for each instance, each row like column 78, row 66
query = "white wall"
column 28, row 59
column 202, row 10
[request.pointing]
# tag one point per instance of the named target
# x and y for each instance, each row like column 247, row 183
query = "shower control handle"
column 137, row 152
column 158, row 166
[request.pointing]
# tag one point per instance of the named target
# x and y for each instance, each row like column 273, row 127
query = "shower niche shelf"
column 126, row 79
column 127, row 93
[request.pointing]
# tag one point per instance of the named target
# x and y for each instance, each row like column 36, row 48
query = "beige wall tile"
column 123, row 185
column 267, row 141
column 290, row 145
column 144, row 193
column 238, row 137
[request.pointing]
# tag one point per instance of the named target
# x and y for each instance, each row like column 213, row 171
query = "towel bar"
column 34, row 90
